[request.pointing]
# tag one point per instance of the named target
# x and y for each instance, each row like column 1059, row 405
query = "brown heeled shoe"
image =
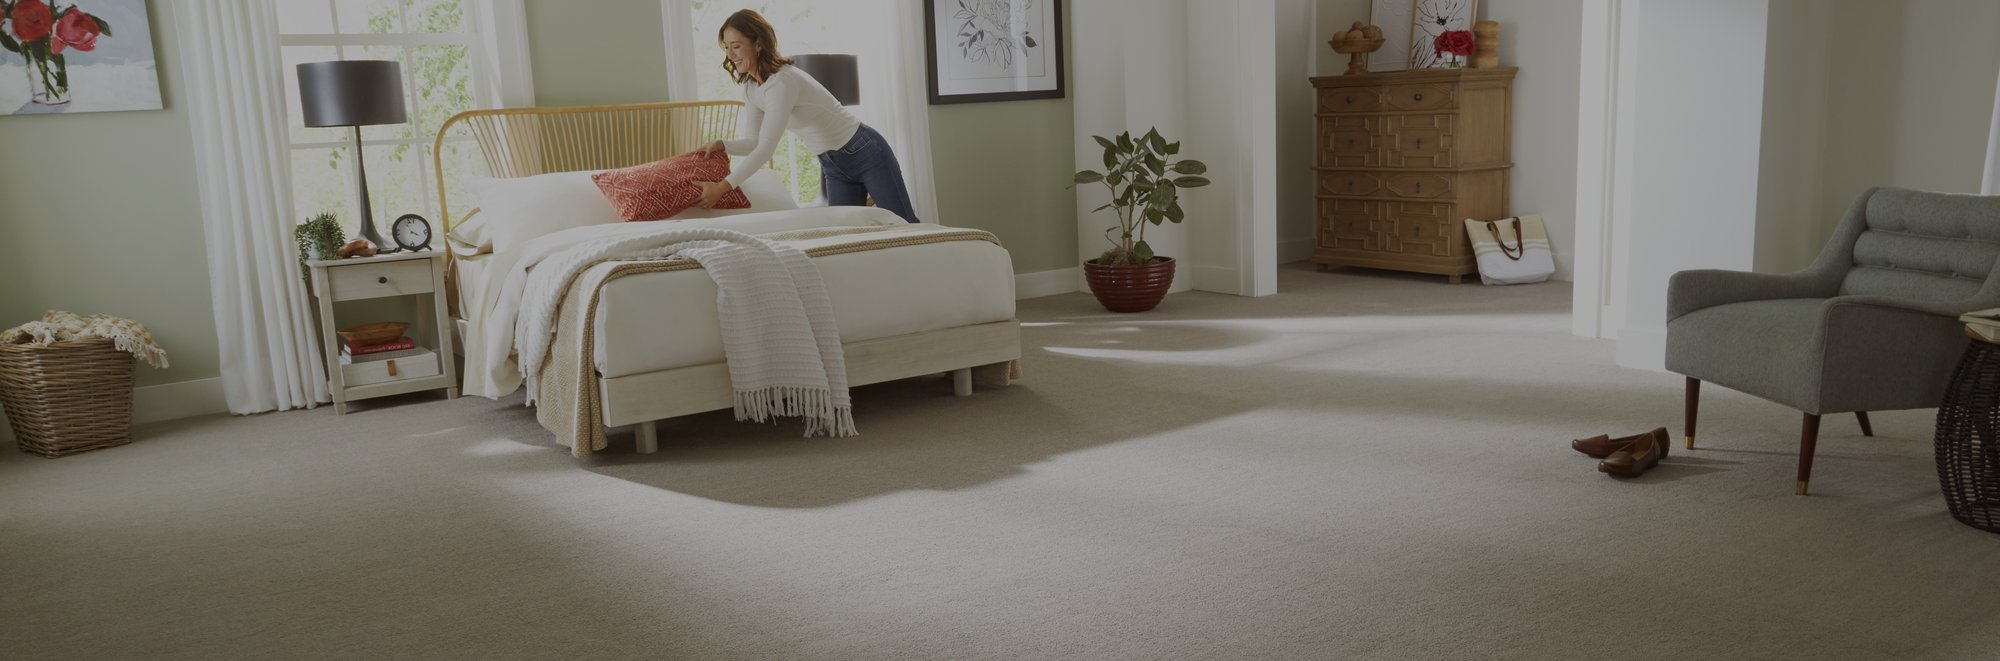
column 1601, row 445
column 1640, row 456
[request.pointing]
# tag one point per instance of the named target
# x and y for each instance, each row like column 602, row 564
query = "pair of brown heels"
column 1628, row 456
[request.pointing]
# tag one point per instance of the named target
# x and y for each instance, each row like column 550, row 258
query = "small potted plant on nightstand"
column 1145, row 184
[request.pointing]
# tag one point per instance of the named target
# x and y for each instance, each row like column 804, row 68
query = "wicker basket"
column 68, row 397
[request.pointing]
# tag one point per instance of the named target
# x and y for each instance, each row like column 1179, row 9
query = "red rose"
column 77, row 30
column 1456, row 42
column 32, row 19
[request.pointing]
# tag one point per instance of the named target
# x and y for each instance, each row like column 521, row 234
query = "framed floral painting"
column 1434, row 20
column 994, row 50
column 60, row 56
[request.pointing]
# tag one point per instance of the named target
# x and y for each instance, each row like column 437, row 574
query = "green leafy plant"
column 1145, row 184
column 318, row 238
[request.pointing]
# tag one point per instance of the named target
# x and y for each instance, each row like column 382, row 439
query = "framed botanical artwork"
column 1393, row 16
column 1431, row 18
column 80, row 56
column 994, row 50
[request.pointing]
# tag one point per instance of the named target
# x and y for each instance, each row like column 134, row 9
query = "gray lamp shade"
column 351, row 93
column 837, row 73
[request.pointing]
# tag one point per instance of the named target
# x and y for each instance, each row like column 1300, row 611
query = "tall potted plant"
column 1145, row 183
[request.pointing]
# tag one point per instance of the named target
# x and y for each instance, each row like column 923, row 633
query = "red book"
column 364, row 349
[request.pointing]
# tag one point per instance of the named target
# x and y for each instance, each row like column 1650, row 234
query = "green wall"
column 1001, row 167
column 99, row 214
column 604, row 51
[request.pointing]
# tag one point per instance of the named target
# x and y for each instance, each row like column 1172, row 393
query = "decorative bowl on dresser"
column 1402, row 159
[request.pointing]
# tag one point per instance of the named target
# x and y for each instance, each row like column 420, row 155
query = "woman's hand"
column 712, row 192
column 712, row 148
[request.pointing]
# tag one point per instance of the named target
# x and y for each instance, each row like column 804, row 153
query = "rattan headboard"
column 521, row 142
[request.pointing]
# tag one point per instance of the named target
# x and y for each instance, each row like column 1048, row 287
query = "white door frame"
column 1606, row 98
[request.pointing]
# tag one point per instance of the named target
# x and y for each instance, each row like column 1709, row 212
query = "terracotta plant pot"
column 1130, row 288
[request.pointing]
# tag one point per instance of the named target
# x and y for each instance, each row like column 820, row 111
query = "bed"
column 638, row 342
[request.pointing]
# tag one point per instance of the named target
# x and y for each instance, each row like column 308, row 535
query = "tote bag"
column 1511, row 251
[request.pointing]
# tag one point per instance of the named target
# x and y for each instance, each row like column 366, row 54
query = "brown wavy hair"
column 759, row 31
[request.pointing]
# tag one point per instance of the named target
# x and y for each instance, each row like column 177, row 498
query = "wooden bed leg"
column 648, row 436
column 961, row 382
column 997, row 375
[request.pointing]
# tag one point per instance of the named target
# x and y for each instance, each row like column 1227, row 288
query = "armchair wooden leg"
column 1808, row 437
column 1693, row 404
column 1866, row 429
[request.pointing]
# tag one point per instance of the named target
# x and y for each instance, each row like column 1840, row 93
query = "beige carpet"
column 1368, row 466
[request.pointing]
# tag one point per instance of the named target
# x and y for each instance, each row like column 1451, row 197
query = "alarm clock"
column 411, row 232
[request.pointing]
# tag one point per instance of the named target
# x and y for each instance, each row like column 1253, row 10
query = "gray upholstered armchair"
column 1871, row 325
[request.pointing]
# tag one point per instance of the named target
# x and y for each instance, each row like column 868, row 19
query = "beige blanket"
column 569, row 404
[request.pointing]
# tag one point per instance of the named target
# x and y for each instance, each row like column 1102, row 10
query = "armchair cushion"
column 1847, row 353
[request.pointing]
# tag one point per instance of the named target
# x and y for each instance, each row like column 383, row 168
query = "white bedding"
column 657, row 321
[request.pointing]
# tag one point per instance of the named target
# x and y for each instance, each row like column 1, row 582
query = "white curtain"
column 503, row 75
column 236, row 104
column 907, row 115
column 677, row 22
column 1991, row 184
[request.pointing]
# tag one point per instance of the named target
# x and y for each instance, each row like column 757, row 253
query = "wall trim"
column 1047, row 283
column 1218, row 279
column 168, row 401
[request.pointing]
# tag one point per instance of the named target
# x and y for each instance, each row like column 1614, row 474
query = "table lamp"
column 837, row 73
column 354, row 93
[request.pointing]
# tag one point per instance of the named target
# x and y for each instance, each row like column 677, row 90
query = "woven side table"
column 1968, row 437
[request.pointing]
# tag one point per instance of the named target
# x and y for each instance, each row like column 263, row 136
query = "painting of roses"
column 60, row 56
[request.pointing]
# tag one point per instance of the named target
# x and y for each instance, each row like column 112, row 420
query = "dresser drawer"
column 1421, row 141
column 1350, row 99
column 378, row 280
column 1352, row 142
column 1350, row 184
column 1351, row 224
column 1417, row 185
column 1401, row 228
column 1419, row 97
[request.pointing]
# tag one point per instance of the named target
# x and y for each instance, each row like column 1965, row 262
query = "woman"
column 855, row 162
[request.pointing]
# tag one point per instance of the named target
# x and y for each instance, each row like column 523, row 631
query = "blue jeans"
column 865, row 167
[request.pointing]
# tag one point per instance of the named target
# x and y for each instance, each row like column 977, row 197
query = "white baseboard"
column 1295, row 250
column 1642, row 348
column 1217, row 279
column 1048, row 283
column 168, row 401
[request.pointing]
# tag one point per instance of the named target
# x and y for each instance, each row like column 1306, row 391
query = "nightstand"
column 417, row 278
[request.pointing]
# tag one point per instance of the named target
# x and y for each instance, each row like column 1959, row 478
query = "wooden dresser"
column 1402, row 159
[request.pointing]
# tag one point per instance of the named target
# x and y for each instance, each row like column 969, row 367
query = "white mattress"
column 875, row 294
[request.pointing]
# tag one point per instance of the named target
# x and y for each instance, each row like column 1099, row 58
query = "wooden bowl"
column 380, row 332
column 1345, row 47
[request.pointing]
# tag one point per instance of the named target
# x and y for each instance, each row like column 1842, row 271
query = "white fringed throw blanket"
column 778, row 333
column 58, row 326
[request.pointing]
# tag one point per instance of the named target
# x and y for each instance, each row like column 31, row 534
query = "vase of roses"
column 1457, row 43
column 41, row 32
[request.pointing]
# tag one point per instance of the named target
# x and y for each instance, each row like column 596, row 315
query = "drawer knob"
column 382, row 280
column 1350, row 98
column 1420, row 143
column 1350, row 143
column 1420, row 96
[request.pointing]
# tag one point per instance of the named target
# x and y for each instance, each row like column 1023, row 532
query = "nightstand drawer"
column 378, row 280
column 384, row 371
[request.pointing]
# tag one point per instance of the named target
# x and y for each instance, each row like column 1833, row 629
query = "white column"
column 1695, row 172
column 1097, row 108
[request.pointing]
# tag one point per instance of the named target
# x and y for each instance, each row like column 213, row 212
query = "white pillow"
column 516, row 210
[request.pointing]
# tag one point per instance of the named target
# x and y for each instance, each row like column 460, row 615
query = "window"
column 803, row 26
column 437, row 45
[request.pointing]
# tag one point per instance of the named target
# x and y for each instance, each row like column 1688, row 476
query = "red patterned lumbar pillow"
column 666, row 187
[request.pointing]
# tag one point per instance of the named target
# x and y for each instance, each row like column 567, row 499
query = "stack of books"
column 402, row 347
column 1984, row 323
